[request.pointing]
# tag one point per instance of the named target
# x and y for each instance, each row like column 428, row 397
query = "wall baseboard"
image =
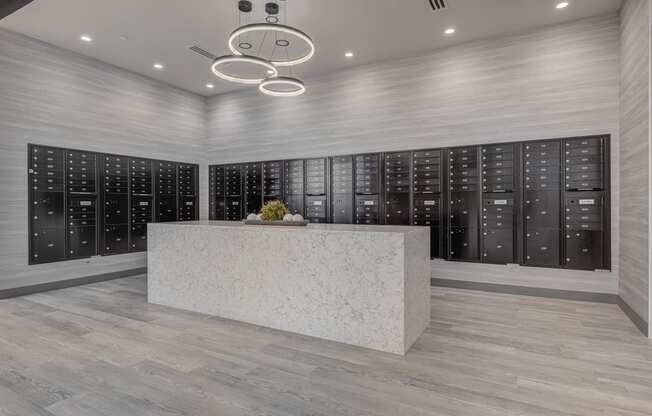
column 62, row 284
column 633, row 316
column 528, row 291
column 609, row 298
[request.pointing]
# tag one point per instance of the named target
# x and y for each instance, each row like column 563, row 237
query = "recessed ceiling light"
column 562, row 5
column 210, row 86
column 86, row 38
column 449, row 31
column 158, row 66
column 270, row 72
column 349, row 54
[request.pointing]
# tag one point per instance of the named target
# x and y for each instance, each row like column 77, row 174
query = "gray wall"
column 51, row 96
column 635, row 156
column 557, row 82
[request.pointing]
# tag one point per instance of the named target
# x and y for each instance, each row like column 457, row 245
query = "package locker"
column 272, row 181
column 498, row 207
column 464, row 196
column 316, row 190
column 398, row 187
column 427, row 196
column 166, row 191
column 541, row 203
column 187, row 179
column 47, row 213
column 367, row 183
column 234, row 193
column 342, row 189
column 115, row 171
column 216, row 182
column 294, row 186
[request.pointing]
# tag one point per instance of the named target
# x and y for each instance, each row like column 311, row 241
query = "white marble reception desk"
column 357, row 284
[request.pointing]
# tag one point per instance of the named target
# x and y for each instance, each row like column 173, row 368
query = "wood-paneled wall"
column 635, row 148
column 557, row 82
column 55, row 97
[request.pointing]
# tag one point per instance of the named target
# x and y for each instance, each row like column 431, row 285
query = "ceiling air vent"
column 438, row 4
column 205, row 53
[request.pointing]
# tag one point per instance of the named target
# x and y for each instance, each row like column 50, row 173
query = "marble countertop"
column 309, row 227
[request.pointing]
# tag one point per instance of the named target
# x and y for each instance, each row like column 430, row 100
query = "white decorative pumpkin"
column 252, row 217
column 297, row 217
column 288, row 217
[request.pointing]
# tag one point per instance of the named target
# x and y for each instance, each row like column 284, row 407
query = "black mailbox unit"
column 427, row 196
column 81, row 181
column 316, row 190
column 272, row 181
column 141, row 201
column 342, row 189
column 518, row 202
column 367, row 189
column 47, row 221
column 294, row 186
column 464, row 196
column 541, row 203
column 398, row 186
column 216, row 183
column 498, row 208
column 586, row 203
column 84, row 203
column 188, row 177
column 166, row 191
column 115, row 206
column 234, row 197
column 253, row 187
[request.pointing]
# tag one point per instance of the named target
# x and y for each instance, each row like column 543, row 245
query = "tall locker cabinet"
column 342, row 189
column 234, row 197
column 115, row 204
column 367, row 189
column 188, row 178
column 141, row 199
column 586, row 203
column 253, row 188
column 293, row 189
column 316, row 190
column 397, row 188
column 464, row 198
column 47, row 221
column 272, row 181
column 166, row 191
column 216, row 183
column 541, row 203
column 427, row 188
column 498, row 204
column 81, row 172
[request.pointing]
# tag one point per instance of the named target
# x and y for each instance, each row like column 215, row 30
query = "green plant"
column 273, row 211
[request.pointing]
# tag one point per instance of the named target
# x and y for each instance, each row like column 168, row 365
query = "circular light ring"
column 265, row 85
column 261, row 27
column 241, row 59
column 283, row 43
column 245, row 45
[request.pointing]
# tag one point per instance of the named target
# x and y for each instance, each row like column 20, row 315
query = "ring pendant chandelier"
column 243, row 41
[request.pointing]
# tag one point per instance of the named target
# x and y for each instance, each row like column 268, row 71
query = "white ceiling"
column 162, row 30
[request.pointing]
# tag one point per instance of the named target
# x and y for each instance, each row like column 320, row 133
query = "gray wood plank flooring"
column 102, row 350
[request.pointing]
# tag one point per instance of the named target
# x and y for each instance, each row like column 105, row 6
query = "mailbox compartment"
column 116, row 239
column 81, row 242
